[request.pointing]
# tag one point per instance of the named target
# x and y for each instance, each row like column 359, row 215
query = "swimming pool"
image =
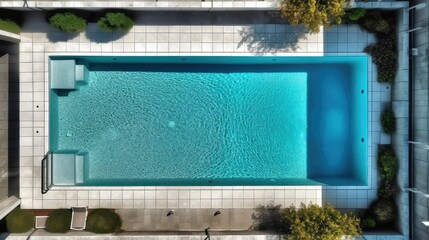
column 192, row 121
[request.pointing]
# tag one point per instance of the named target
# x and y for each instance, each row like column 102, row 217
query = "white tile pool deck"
column 39, row 41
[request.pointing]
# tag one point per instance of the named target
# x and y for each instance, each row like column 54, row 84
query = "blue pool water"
column 211, row 121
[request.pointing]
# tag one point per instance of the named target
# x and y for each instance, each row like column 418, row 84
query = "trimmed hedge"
column 388, row 121
column 387, row 164
column 384, row 211
column 115, row 22
column 103, row 221
column 19, row 221
column 368, row 223
column 355, row 14
column 59, row 221
column 68, row 22
column 9, row 26
column 376, row 22
column 384, row 52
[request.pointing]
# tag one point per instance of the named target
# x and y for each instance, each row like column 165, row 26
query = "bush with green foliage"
column 387, row 164
column 384, row 56
column 355, row 14
column 68, row 22
column 388, row 121
column 319, row 223
column 383, row 211
column 103, row 221
column 115, row 22
column 313, row 14
column 268, row 218
column 388, row 168
column 384, row 52
column 59, row 221
column 9, row 26
column 19, row 221
column 368, row 223
column 378, row 22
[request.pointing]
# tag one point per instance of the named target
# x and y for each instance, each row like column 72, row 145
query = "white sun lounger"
column 79, row 216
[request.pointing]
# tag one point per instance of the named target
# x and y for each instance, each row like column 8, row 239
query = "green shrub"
column 59, row 221
column 103, row 221
column 19, row 221
column 384, row 211
column 319, row 223
column 9, row 26
column 388, row 121
column 384, row 56
column 378, row 22
column 387, row 164
column 68, row 22
column 115, row 22
column 355, row 14
column 368, row 223
column 387, row 189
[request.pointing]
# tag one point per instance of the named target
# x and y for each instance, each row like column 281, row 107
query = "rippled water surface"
column 187, row 126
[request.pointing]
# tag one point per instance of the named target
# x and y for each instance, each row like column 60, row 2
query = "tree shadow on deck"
column 271, row 39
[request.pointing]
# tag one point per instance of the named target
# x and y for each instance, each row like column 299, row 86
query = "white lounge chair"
column 79, row 216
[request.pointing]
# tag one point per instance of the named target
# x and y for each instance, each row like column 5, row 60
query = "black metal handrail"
column 46, row 172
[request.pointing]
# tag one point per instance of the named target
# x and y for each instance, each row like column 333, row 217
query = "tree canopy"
column 312, row 14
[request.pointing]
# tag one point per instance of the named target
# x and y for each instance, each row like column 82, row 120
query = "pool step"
column 63, row 74
column 68, row 168
column 81, row 72
column 79, row 169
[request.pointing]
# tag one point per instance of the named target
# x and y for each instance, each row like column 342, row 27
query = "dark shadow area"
column 14, row 15
column 102, row 37
column 61, row 36
column 3, row 227
column 268, row 218
column 261, row 43
column 207, row 18
column 13, row 121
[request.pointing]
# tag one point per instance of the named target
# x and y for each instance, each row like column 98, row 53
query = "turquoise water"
column 167, row 123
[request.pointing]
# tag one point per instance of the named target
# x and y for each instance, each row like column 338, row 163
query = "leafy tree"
column 319, row 223
column 313, row 13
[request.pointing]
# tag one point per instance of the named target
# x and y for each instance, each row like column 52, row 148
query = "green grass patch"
column 19, row 221
column 9, row 26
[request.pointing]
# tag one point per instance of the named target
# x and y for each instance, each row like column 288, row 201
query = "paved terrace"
column 182, row 34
